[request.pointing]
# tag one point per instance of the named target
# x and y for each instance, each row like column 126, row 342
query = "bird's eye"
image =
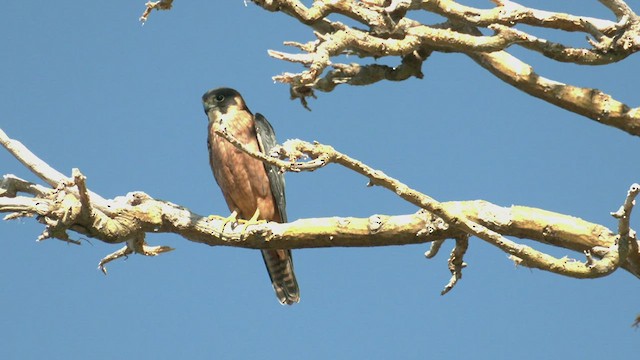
column 219, row 98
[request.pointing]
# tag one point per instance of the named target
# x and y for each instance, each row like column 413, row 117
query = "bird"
column 252, row 189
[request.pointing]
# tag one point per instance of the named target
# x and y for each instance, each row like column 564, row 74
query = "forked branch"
column 387, row 29
column 69, row 205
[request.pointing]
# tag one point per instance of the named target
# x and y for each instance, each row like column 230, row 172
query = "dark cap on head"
column 222, row 98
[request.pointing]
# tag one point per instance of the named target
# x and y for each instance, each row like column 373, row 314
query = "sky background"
column 84, row 85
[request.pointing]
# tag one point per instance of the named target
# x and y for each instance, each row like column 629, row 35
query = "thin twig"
column 456, row 262
column 158, row 5
column 433, row 249
column 42, row 170
column 627, row 235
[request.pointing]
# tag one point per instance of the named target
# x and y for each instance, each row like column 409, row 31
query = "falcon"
column 252, row 189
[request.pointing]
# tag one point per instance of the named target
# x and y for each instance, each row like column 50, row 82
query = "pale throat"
column 236, row 122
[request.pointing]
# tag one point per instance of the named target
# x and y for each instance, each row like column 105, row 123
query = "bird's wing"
column 267, row 141
column 279, row 262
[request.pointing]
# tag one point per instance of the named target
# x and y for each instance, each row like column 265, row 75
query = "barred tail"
column 280, row 267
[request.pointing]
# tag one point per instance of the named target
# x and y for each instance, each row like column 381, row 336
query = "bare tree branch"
column 618, row 7
column 388, row 30
column 455, row 262
column 627, row 237
column 385, row 29
column 509, row 13
column 525, row 255
column 70, row 207
column 412, row 41
column 158, row 5
column 591, row 103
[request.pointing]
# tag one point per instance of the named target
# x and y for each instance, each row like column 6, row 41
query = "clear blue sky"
column 84, row 85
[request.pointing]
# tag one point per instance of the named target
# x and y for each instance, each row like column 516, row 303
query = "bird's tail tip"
column 280, row 266
column 290, row 300
column 286, row 288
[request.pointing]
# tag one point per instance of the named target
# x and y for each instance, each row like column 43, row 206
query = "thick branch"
column 69, row 207
column 141, row 213
column 525, row 255
column 591, row 103
column 509, row 13
column 562, row 53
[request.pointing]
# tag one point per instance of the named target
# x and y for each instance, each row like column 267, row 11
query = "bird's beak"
column 207, row 108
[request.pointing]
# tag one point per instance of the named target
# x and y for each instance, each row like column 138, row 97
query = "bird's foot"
column 231, row 219
column 234, row 221
column 253, row 221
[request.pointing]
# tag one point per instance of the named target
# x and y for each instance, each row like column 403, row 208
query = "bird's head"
column 218, row 102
